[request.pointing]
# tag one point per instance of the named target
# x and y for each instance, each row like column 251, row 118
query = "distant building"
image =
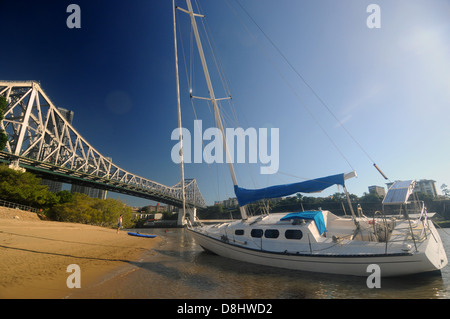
column 156, row 208
column 230, row 202
column 233, row 202
column 91, row 192
column 67, row 114
column 426, row 186
column 52, row 186
column 378, row 190
column 147, row 216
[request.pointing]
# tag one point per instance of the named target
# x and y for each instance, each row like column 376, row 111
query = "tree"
column 339, row 197
column 445, row 190
column 84, row 209
column 371, row 198
column 25, row 188
column 22, row 188
column 3, row 136
column 425, row 197
column 64, row 197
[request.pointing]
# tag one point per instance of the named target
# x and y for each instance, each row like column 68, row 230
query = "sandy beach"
column 35, row 254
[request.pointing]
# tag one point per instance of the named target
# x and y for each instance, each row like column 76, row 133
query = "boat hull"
column 427, row 259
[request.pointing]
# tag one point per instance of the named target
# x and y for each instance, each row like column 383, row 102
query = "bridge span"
column 42, row 140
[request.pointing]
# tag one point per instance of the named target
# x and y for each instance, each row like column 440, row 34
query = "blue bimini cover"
column 317, row 216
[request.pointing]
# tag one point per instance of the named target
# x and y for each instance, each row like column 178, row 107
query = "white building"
column 377, row 190
column 427, row 186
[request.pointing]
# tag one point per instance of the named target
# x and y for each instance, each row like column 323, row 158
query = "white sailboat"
column 319, row 241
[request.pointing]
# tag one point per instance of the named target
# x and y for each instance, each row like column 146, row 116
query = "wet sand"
column 35, row 254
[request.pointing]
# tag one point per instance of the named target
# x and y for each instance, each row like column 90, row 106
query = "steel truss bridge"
column 42, row 140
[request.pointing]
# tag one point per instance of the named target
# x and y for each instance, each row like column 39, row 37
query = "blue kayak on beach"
column 141, row 235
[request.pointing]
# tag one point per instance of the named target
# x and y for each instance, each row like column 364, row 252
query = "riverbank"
column 35, row 254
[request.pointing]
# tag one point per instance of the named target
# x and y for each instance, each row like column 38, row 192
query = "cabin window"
column 293, row 234
column 239, row 232
column 271, row 233
column 257, row 233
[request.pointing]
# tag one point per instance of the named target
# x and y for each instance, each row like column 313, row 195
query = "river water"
column 179, row 269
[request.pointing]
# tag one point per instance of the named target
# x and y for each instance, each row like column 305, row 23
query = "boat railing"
column 410, row 232
column 423, row 220
column 377, row 230
column 383, row 227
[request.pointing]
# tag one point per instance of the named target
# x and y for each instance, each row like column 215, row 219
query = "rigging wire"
column 226, row 117
column 219, row 68
column 213, row 48
column 294, row 91
column 191, row 82
column 189, row 79
column 341, row 124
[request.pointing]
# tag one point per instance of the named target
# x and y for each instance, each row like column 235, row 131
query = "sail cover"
column 246, row 196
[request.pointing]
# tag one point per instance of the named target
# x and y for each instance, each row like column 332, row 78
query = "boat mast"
column 179, row 114
column 212, row 96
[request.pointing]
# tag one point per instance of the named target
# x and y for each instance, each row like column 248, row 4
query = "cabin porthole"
column 293, row 234
column 271, row 233
column 239, row 232
column 256, row 233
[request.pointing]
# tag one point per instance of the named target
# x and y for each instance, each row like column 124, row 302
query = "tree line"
column 26, row 189
column 337, row 204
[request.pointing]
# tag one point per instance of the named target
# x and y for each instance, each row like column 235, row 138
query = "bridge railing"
column 7, row 204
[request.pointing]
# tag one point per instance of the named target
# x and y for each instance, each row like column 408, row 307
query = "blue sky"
column 390, row 86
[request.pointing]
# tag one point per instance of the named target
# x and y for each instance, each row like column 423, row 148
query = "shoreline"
column 35, row 254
